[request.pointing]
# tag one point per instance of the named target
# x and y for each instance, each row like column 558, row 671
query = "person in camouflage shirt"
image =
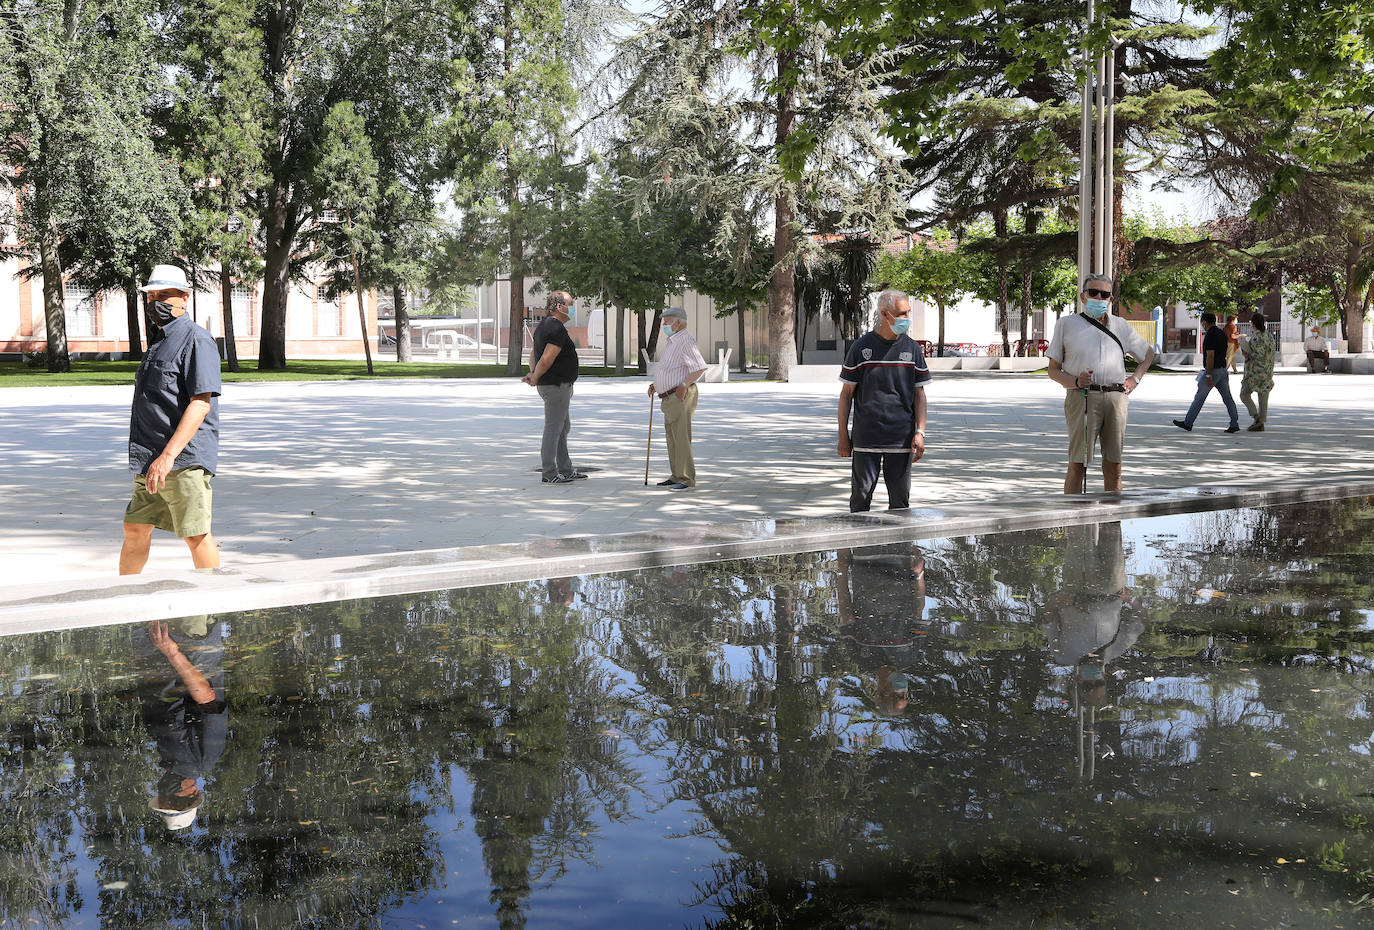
column 1259, row 373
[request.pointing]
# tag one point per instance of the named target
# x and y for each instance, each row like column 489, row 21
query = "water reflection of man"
column 1088, row 626
column 882, row 597
column 184, row 713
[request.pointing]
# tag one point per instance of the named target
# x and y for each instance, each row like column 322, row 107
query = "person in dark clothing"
column 553, row 369
column 881, row 592
column 185, row 713
column 173, row 429
column 1212, row 375
column 883, row 376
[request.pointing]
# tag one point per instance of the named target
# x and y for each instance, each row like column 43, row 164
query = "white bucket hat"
column 166, row 278
column 178, row 820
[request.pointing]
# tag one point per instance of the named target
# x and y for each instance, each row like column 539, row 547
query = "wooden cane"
column 648, row 440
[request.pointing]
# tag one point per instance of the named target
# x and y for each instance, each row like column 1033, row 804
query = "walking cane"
column 1087, row 436
column 648, row 441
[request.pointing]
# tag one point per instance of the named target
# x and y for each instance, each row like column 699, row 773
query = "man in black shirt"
column 1213, row 375
column 883, row 376
column 553, row 369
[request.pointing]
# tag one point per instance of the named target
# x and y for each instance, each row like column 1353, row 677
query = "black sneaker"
column 667, row 483
column 577, row 475
column 558, row 479
column 1183, row 426
column 1233, row 428
column 679, row 486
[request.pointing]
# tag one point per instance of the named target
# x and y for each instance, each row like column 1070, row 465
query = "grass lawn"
column 16, row 374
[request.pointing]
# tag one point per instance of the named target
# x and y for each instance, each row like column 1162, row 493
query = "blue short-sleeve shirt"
column 180, row 365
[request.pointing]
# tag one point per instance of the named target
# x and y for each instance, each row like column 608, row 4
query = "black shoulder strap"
column 1091, row 322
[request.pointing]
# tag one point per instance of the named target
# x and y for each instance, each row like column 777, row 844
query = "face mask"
column 160, row 312
column 1095, row 307
column 901, row 325
column 572, row 314
column 667, row 329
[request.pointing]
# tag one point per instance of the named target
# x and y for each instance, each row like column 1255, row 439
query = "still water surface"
column 1165, row 721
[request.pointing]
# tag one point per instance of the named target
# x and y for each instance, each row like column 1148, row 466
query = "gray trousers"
column 553, row 454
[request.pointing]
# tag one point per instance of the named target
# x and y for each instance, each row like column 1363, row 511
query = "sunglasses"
column 1094, row 292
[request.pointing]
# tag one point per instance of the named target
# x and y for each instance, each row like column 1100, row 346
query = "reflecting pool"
column 1112, row 725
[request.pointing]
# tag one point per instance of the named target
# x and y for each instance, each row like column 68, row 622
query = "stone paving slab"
column 57, row 605
column 313, row 470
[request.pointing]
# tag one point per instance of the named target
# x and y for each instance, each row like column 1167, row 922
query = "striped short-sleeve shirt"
column 885, row 376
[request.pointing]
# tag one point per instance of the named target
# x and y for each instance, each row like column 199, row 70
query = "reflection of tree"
column 346, row 720
column 351, row 722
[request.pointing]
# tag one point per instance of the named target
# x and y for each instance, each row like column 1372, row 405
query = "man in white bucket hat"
column 173, row 429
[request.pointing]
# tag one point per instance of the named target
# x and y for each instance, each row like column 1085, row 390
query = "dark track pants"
column 896, row 470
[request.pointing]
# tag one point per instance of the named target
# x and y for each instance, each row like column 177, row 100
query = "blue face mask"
column 901, row 325
column 667, row 329
column 1096, row 307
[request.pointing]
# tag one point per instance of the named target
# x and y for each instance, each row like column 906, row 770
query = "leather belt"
column 1107, row 388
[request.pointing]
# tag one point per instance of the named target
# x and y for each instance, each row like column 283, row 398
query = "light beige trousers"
column 677, row 424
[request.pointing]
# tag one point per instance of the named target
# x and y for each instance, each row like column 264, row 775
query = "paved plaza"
column 320, row 469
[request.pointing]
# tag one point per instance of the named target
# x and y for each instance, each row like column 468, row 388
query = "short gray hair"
column 889, row 299
column 1097, row 277
column 558, row 300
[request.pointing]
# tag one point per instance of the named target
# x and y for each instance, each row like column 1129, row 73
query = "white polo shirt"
column 1079, row 346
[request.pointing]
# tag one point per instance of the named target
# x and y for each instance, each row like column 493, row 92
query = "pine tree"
column 797, row 137
column 76, row 80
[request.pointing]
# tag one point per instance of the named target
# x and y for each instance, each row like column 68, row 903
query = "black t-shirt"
column 1214, row 339
column 551, row 331
column 885, row 376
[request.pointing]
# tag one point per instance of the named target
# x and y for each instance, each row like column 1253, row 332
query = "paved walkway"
column 319, row 469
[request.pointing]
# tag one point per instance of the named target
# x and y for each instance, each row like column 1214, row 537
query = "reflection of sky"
column 1168, row 710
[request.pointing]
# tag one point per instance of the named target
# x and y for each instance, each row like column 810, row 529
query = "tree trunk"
column 642, row 343
column 401, row 300
column 276, row 282
column 999, row 226
column 782, row 294
column 516, row 325
column 940, row 347
column 131, row 312
column 619, row 306
column 1027, row 273
column 1353, row 301
column 654, row 330
column 54, row 309
column 226, row 299
column 743, row 354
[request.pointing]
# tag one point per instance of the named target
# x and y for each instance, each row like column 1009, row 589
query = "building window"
column 328, row 313
column 80, row 310
column 241, row 301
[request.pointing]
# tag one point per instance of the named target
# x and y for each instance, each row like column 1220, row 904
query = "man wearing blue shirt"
column 173, row 429
column 883, row 376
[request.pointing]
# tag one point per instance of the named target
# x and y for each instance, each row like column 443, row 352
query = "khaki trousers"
column 677, row 425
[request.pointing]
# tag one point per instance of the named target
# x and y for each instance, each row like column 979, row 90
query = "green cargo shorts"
column 182, row 506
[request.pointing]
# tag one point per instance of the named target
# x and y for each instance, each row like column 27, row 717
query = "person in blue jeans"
column 1213, row 375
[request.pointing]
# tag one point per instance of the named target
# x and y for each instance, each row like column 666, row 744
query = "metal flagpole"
column 1085, row 162
column 1109, row 171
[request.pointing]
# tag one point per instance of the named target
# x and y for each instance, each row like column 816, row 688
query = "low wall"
column 1012, row 363
column 813, row 373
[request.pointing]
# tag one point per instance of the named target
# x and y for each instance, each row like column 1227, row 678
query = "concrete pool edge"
column 100, row 601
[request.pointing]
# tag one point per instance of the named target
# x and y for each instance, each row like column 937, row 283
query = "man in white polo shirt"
column 679, row 367
column 1088, row 358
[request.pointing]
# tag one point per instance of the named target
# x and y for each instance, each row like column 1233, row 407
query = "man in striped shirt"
column 883, row 376
column 679, row 367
